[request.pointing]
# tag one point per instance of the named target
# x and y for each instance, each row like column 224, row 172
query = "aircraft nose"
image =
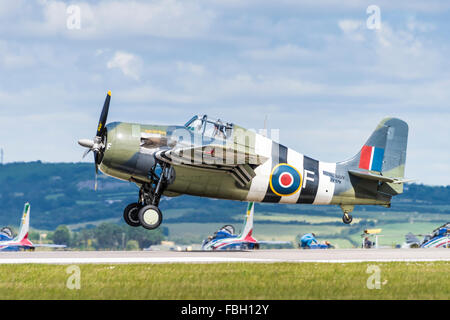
column 87, row 143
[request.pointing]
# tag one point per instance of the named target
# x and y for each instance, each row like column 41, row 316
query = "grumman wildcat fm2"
column 209, row 158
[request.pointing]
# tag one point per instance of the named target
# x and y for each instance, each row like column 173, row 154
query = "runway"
column 258, row 256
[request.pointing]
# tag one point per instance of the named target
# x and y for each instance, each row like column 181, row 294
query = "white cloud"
column 405, row 53
column 352, row 28
column 112, row 19
column 128, row 63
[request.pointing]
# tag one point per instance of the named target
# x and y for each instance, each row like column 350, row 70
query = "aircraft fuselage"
column 285, row 177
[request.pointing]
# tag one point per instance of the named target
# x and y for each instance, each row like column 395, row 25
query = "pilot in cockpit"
column 219, row 130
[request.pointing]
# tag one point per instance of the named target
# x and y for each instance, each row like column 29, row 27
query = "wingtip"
column 109, row 93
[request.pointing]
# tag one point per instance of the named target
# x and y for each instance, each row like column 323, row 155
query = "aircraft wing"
column 48, row 245
column 378, row 177
column 239, row 164
column 274, row 242
column 411, row 238
column 33, row 245
column 212, row 155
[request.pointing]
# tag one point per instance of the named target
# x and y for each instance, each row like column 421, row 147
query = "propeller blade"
column 96, row 145
column 103, row 116
column 86, row 153
column 96, row 177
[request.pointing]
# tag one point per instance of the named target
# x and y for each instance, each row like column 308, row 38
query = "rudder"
column 385, row 150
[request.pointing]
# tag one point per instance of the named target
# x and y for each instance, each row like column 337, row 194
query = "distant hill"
column 63, row 193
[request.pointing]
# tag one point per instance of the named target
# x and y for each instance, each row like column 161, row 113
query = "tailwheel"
column 131, row 214
column 150, row 217
column 346, row 209
column 347, row 218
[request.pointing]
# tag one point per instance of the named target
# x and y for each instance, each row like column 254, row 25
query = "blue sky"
column 313, row 67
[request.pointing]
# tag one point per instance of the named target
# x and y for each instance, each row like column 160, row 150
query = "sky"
column 323, row 72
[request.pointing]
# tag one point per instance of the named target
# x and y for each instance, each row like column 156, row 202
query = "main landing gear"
column 347, row 217
column 145, row 212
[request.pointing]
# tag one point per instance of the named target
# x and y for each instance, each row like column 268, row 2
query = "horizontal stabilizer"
column 378, row 177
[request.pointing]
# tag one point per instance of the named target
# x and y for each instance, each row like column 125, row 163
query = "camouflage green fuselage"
column 285, row 177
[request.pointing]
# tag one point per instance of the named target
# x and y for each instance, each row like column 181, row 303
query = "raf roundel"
column 285, row 180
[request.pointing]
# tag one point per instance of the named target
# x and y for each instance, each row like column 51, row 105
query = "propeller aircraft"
column 210, row 158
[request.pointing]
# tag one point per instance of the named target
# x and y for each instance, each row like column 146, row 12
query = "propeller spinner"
column 97, row 145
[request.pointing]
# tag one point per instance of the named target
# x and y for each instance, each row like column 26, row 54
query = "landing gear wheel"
column 131, row 214
column 150, row 217
column 347, row 218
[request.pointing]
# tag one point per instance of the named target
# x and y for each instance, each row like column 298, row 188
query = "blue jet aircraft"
column 21, row 242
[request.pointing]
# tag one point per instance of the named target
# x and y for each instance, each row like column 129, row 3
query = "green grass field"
column 228, row 281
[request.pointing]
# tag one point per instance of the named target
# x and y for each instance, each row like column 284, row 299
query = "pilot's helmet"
column 228, row 228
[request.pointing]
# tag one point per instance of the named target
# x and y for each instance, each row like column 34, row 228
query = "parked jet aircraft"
column 209, row 158
column 21, row 242
column 225, row 239
column 439, row 238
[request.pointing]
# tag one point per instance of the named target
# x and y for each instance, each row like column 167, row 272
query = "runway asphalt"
column 292, row 255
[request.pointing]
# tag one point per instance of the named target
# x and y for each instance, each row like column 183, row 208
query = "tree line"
column 107, row 236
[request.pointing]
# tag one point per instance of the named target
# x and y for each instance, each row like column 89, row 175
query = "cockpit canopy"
column 226, row 231
column 211, row 128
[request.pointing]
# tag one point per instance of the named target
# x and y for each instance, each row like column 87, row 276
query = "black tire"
column 150, row 217
column 347, row 219
column 131, row 214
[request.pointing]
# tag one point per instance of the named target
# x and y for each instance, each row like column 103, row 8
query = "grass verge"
column 400, row 280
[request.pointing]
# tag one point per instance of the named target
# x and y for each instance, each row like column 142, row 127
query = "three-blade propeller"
column 98, row 144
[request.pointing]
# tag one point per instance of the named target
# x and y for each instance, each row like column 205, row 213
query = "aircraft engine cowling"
column 123, row 156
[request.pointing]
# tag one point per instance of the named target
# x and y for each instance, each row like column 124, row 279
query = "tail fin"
column 24, row 225
column 248, row 227
column 383, row 155
column 385, row 150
